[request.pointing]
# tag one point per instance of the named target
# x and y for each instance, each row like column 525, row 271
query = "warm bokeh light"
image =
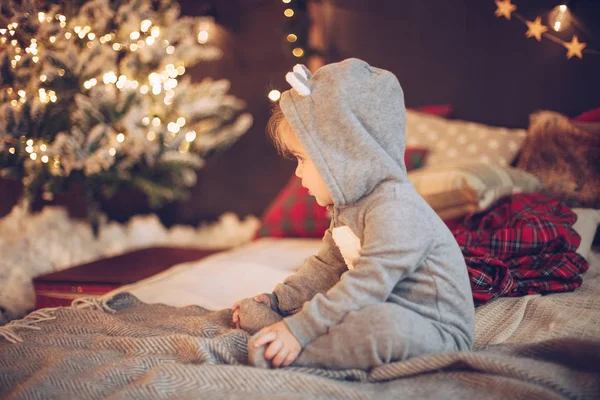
column 560, row 18
column 274, row 95
column 202, row 37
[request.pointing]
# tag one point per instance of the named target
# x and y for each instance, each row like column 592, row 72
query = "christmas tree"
column 95, row 91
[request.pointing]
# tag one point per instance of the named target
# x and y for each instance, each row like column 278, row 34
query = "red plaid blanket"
column 522, row 244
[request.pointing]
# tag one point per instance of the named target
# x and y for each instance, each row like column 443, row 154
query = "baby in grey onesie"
column 389, row 282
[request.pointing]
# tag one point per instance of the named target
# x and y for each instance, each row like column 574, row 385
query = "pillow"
column 294, row 213
column 443, row 110
column 589, row 116
column 588, row 220
column 564, row 156
column 414, row 157
column 476, row 184
column 446, row 140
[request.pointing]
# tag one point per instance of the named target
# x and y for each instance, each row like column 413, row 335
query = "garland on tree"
column 93, row 91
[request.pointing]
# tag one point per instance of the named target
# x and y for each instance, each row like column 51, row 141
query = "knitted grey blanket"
column 123, row 348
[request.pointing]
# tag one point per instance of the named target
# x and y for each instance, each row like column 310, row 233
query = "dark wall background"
column 452, row 52
column 443, row 52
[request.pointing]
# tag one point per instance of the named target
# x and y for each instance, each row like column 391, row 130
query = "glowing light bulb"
column 173, row 127
column 202, row 37
column 120, row 138
column 145, row 25
column 184, row 146
column 292, row 38
column 298, row 52
column 288, row 12
column 274, row 95
column 560, row 18
column 190, row 136
column 110, row 77
column 112, row 151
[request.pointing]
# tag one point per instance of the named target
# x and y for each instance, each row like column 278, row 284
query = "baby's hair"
column 278, row 129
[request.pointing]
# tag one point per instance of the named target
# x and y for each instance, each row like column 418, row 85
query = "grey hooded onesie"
column 389, row 282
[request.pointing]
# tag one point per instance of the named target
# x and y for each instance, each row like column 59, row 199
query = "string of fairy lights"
column 296, row 34
column 160, row 82
column 559, row 19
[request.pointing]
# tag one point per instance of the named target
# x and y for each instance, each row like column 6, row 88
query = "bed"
column 218, row 281
column 171, row 336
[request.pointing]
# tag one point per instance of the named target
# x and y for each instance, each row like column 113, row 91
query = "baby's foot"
column 253, row 316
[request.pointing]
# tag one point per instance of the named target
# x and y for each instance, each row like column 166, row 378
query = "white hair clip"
column 298, row 79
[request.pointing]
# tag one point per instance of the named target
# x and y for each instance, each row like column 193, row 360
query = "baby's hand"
column 283, row 348
column 259, row 298
column 236, row 310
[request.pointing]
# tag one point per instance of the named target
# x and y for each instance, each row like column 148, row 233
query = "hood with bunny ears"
column 350, row 117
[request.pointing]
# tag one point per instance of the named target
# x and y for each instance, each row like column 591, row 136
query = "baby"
column 389, row 281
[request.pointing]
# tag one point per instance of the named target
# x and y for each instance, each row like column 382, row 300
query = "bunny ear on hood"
column 350, row 117
column 298, row 79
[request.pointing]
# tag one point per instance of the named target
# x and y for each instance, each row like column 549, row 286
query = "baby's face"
column 306, row 170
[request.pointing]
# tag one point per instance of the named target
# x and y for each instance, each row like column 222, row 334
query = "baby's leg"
column 375, row 335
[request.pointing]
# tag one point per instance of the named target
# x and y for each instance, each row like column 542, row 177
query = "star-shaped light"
column 574, row 47
column 535, row 28
column 505, row 8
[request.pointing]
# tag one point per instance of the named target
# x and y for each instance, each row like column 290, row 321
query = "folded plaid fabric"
column 522, row 244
